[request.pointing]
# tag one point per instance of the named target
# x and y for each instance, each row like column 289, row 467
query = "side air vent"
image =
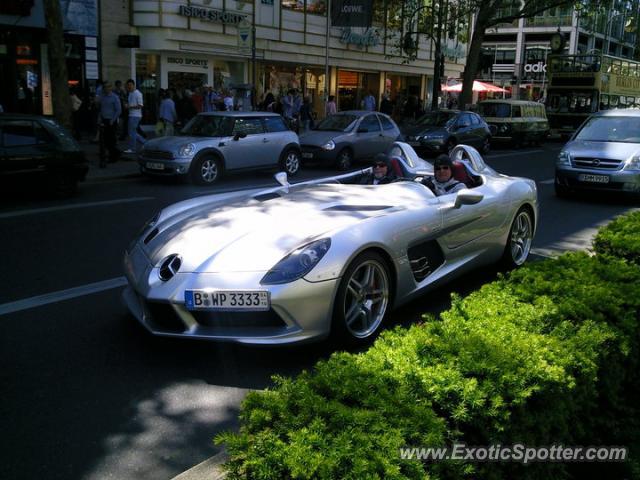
column 151, row 236
column 267, row 196
column 425, row 258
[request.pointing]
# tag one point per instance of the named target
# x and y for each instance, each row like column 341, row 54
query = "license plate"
column 226, row 299
column 583, row 177
column 155, row 165
column 307, row 155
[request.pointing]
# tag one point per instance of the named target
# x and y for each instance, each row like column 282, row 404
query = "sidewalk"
column 126, row 167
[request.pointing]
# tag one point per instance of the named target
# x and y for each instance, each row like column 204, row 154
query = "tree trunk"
column 58, row 64
column 473, row 60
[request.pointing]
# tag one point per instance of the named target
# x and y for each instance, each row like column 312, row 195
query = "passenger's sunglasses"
column 442, row 168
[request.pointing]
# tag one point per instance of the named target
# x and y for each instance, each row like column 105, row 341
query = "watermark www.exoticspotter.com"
column 516, row 453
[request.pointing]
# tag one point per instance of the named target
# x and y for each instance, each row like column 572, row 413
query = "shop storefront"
column 279, row 78
column 354, row 86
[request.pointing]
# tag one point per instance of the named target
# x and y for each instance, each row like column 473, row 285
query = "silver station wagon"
column 217, row 142
column 603, row 155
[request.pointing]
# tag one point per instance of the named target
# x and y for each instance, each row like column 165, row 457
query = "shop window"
column 248, row 126
column 275, row 124
column 297, row 5
column 147, row 81
column 317, row 7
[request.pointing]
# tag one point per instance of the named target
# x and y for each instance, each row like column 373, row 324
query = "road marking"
column 36, row 211
column 551, row 181
column 68, row 294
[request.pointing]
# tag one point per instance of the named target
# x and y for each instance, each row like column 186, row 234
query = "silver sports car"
column 301, row 262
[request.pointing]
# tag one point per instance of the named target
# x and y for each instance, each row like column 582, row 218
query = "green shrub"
column 620, row 238
column 533, row 358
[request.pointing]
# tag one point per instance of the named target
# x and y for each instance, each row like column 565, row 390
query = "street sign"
column 244, row 34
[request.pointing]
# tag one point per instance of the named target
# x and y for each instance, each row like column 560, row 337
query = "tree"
column 489, row 13
column 57, row 63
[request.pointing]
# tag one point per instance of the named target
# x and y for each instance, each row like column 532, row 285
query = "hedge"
column 620, row 238
column 546, row 355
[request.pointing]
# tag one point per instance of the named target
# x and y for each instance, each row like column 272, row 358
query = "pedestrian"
column 228, row 101
column 121, row 92
column 168, row 114
column 386, row 106
column 76, row 103
column 109, row 112
column 369, row 102
column 331, row 107
column 306, row 115
column 269, row 101
column 134, row 106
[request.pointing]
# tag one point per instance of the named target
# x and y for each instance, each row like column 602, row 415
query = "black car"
column 441, row 130
column 37, row 148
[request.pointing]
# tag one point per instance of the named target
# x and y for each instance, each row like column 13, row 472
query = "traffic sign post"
column 244, row 34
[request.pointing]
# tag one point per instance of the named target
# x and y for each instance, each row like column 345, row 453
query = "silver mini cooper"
column 217, row 142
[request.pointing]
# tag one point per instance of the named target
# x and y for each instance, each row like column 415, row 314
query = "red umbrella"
column 477, row 87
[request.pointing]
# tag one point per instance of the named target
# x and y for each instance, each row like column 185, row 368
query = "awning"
column 477, row 87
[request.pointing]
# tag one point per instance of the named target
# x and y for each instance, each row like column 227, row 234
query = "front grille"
column 163, row 317
column 267, row 319
column 157, row 154
column 597, row 163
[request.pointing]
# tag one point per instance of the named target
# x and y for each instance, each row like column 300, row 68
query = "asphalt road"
column 88, row 394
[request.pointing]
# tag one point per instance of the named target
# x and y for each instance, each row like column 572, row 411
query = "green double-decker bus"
column 583, row 84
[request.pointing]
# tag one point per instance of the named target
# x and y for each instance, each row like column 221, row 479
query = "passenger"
column 443, row 181
column 381, row 172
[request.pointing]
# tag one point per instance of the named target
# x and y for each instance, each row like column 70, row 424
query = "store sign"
column 351, row 13
column 535, row 67
column 189, row 62
column 370, row 38
column 211, row 15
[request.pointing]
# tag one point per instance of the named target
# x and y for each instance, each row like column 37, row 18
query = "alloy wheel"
column 292, row 163
column 209, row 170
column 366, row 299
column 521, row 237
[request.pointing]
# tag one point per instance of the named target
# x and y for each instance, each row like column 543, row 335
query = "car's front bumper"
column 311, row 153
column 626, row 181
column 155, row 166
column 299, row 312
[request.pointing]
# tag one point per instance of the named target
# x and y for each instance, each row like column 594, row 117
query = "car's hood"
column 319, row 138
column 414, row 130
column 173, row 144
column 604, row 150
column 253, row 233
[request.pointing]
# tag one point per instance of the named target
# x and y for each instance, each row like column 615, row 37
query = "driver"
column 381, row 171
column 443, row 181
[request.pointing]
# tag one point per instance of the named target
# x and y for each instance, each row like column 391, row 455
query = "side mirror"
column 239, row 135
column 363, row 130
column 467, row 197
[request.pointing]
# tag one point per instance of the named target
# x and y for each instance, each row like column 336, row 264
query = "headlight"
column 187, row 150
column 633, row 163
column 330, row 145
column 564, row 159
column 298, row 263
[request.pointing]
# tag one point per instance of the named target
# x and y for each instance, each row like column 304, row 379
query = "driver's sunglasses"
column 444, row 167
column 380, row 165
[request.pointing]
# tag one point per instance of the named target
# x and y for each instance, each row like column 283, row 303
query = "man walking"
column 134, row 106
column 369, row 102
column 109, row 112
column 167, row 113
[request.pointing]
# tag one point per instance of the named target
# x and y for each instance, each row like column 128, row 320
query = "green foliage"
column 546, row 355
column 621, row 238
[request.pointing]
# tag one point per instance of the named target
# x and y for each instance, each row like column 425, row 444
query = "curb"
column 210, row 469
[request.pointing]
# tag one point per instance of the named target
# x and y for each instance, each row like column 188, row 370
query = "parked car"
column 515, row 121
column 34, row 147
column 440, row 131
column 603, row 154
column 348, row 136
column 214, row 143
column 296, row 263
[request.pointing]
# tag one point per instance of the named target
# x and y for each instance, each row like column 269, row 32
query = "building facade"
column 186, row 45
column 24, row 65
column 514, row 56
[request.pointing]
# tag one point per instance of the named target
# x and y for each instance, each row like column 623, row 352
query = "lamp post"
column 409, row 45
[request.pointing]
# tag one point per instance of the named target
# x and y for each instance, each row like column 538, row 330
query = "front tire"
column 290, row 162
column 206, row 170
column 344, row 159
column 519, row 241
column 363, row 300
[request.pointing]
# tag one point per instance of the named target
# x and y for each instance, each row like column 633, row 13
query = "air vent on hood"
column 267, row 196
column 357, row 208
column 151, row 235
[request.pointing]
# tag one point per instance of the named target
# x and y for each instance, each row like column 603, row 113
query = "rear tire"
column 206, row 170
column 363, row 300
column 519, row 241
